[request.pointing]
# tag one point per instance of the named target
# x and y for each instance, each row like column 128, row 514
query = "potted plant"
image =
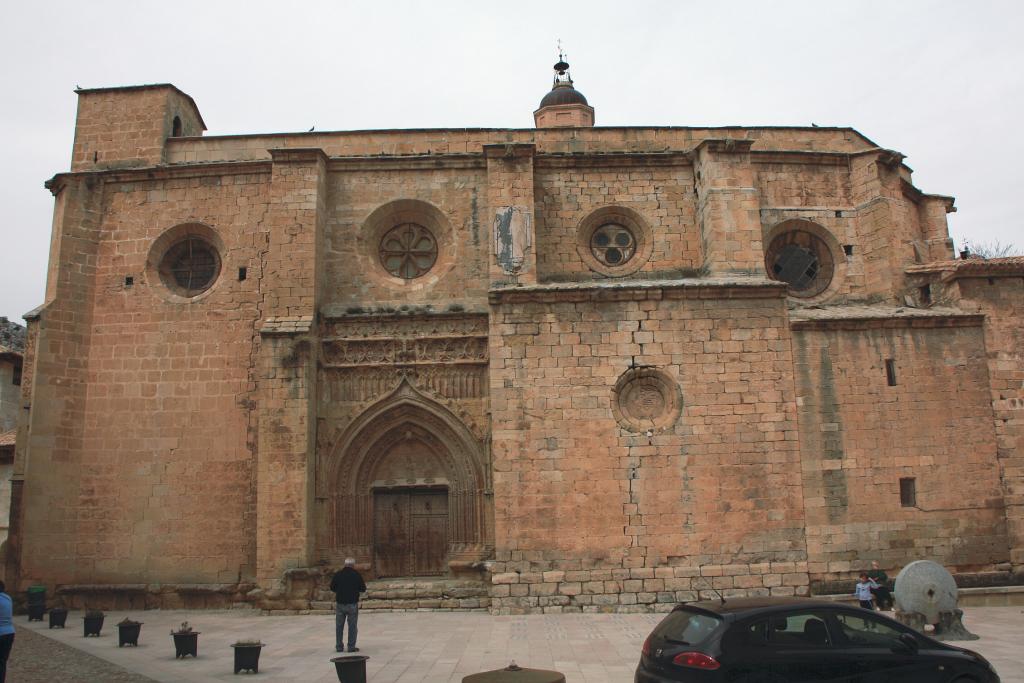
column 247, row 655
column 92, row 622
column 186, row 641
column 58, row 615
column 128, row 632
column 350, row 668
column 36, row 602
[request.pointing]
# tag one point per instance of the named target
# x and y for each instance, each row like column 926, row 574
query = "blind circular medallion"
column 646, row 399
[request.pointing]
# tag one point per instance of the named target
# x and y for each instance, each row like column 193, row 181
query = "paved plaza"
column 428, row 647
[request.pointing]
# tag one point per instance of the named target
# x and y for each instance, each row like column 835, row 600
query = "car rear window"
column 690, row 627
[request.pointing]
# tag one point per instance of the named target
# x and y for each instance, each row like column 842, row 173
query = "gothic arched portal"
column 405, row 489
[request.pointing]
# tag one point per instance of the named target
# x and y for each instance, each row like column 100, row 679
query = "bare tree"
column 993, row 249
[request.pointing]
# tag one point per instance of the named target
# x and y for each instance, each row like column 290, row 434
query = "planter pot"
column 351, row 668
column 128, row 634
column 92, row 626
column 247, row 658
column 58, row 615
column 36, row 599
column 186, row 644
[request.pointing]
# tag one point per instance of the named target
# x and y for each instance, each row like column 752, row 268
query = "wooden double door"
column 410, row 532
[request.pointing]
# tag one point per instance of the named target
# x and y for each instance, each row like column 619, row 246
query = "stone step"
column 416, row 594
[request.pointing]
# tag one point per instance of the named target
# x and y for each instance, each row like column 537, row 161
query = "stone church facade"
column 549, row 369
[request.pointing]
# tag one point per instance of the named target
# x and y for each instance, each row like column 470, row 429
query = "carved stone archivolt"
column 403, row 440
column 646, row 399
column 361, row 384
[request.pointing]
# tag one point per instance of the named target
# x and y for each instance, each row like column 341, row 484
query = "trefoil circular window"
column 190, row 266
column 408, row 251
column 612, row 244
column 802, row 260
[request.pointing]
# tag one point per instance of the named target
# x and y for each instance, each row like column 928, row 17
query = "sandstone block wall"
column 661, row 196
column 164, row 414
column 591, row 515
column 859, row 436
column 353, row 278
column 1001, row 299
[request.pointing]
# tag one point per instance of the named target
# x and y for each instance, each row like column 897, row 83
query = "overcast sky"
column 939, row 81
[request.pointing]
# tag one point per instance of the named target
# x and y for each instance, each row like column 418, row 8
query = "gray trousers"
column 341, row 614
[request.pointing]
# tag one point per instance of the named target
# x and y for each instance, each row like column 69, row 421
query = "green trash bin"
column 516, row 674
column 36, row 602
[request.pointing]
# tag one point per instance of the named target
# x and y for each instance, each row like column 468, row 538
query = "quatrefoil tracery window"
column 408, row 251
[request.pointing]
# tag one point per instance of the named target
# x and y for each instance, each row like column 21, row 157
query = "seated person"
column 883, row 597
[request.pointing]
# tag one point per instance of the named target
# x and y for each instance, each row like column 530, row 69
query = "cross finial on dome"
column 562, row 67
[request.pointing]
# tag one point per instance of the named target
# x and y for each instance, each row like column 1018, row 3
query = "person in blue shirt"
column 6, row 630
column 863, row 591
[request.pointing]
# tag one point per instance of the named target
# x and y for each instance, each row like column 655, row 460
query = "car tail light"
column 646, row 649
column 696, row 660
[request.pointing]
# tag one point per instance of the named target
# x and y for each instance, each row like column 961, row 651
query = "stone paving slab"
column 431, row 647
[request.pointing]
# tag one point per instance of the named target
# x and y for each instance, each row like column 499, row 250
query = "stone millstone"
column 926, row 588
column 516, row 674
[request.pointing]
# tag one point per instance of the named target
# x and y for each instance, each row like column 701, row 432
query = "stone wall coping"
column 736, row 287
column 154, row 588
column 977, row 590
column 293, row 324
column 875, row 316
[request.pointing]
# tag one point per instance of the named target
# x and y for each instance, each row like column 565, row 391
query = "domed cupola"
column 564, row 106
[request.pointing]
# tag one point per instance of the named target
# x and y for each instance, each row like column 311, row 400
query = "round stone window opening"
column 613, row 244
column 408, row 251
column 802, row 260
column 190, row 266
column 646, row 399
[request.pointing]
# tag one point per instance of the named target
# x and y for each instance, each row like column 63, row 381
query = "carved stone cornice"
column 405, row 341
column 691, row 288
column 614, row 159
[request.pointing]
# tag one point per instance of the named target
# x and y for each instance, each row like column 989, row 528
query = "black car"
column 793, row 640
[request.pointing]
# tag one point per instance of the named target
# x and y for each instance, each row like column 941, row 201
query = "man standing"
column 6, row 630
column 347, row 584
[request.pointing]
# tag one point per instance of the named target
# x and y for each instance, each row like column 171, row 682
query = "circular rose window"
column 802, row 260
column 646, row 399
column 408, row 251
column 612, row 244
column 190, row 266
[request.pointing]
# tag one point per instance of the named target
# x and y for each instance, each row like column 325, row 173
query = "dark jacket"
column 347, row 584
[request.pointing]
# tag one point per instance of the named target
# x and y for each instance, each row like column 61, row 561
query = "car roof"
column 746, row 606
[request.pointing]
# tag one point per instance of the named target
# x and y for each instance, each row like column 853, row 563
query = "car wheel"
column 965, row 679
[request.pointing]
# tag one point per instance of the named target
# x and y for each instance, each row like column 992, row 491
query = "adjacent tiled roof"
column 12, row 336
column 8, row 438
column 980, row 267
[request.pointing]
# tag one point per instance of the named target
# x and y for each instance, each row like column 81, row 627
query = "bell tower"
column 564, row 106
